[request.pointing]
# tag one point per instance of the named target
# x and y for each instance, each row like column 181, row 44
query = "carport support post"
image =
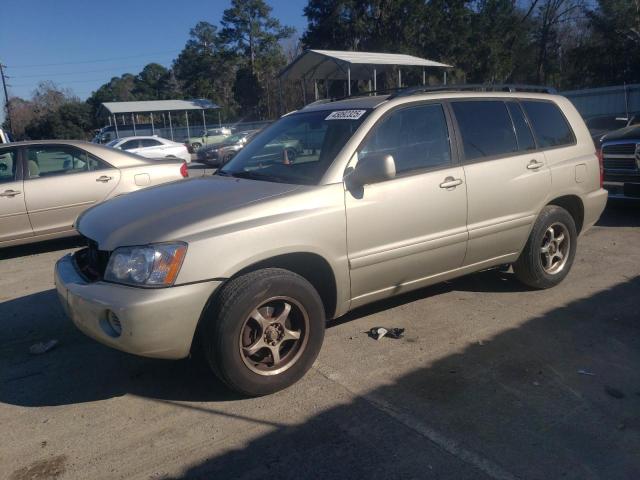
column 349, row 81
column 115, row 123
column 170, row 126
column 219, row 119
column 204, row 122
column 445, row 77
column 153, row 129
column 315, row 88
column 375, row 81
column 424, row 77
column 399, row 78
column 133, row 122
column 186, row 116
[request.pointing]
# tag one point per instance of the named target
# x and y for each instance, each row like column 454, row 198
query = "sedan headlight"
column 148, row 266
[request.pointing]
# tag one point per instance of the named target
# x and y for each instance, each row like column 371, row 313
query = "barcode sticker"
column 346, row 115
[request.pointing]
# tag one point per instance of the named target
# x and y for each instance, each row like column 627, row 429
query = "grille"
column 92, row 262
column 620, row 163
column 619, row 149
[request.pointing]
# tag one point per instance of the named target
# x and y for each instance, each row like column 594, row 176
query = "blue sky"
column 81, row 44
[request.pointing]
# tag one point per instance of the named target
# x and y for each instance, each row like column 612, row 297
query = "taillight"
column 184, row 171
column 601, row 163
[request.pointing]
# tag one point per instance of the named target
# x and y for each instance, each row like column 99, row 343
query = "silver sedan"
column 45, row 185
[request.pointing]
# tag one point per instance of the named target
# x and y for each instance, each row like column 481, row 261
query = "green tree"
column 609, row 54
column 205, row 69
column 252, row 36
column 149, row 82
column 71, row 120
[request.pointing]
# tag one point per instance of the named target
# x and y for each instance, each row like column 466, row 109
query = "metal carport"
column 345, row 65
column 151, row 106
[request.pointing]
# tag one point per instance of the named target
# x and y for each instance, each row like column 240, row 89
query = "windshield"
column 296, row 149
column 112, row 142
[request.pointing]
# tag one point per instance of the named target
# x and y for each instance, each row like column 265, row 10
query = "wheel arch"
column 572, row 204
column 311, row 266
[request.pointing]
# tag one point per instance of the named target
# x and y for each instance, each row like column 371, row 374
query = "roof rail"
column 474, row 87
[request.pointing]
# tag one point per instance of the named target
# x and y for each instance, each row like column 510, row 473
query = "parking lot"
column 490, row 381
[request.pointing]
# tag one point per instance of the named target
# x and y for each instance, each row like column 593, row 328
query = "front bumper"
column 156, row 323
column 628, row 189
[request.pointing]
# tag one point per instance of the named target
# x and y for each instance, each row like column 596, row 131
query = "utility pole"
column 6, row 95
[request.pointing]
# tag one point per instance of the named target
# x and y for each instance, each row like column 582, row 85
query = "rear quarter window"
column 549, row 124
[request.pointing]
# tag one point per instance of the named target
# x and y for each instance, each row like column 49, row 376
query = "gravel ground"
column 490, row 381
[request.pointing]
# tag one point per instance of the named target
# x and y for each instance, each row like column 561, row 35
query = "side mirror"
column 373, row 168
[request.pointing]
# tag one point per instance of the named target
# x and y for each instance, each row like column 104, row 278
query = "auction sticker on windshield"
column 346, row 115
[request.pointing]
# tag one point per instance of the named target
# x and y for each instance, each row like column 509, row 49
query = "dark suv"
column 620, row 152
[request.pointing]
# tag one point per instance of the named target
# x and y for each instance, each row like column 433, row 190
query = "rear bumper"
column 156, row 323
column 594, row 203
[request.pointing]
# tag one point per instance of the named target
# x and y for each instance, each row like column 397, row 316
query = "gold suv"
column 386, row 194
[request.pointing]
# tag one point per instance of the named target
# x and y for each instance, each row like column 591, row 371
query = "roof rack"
column 406, row 91
column 474, row 87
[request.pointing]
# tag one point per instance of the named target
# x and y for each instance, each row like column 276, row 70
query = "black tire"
column 529, row 267
column 196, row 146
column 225, row 324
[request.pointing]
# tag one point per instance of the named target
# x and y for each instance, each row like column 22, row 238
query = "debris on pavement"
column 614, row 392
column 586, row 372
column 43, row 347
column 378, row 332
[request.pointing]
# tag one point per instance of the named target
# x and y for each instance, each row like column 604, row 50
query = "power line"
column 78, row 72
column 91, row 61
column 69, row 81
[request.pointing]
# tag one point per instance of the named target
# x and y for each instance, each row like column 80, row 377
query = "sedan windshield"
column 296, row 149
column 112, row 142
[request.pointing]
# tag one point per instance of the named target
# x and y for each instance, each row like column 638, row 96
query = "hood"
column 628, row 133
column 172, row 211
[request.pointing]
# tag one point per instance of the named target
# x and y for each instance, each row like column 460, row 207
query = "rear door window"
column 148, row 142
column 486, row 128
column 8, row 165
column 130, row 145
column 549, row 124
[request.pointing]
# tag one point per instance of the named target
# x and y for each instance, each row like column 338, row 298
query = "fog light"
column 113, row 322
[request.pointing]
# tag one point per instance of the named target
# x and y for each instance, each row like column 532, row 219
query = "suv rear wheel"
column 264, row 332
column 548, row 255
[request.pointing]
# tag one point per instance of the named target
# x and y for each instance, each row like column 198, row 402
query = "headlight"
column 151, row 265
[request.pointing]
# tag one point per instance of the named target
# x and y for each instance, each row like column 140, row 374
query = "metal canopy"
column 148, row 106
column 345, row 65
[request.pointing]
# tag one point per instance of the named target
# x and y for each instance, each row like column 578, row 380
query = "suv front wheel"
column 264, row 331
column 548, row 255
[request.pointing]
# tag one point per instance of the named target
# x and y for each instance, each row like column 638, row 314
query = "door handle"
column 451, row 182
column 10, row 193
column 534, row 164
column 103, row 179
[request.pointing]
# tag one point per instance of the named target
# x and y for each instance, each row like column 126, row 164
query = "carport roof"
column 158, row 106
column 332, row 64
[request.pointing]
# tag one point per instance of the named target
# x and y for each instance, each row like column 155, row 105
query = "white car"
column 152, row 147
